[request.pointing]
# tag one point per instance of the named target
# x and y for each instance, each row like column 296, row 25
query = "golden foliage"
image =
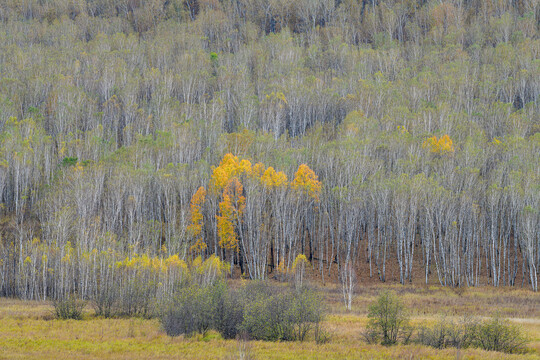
column 277, row 97
column 231, row 209
column 299, row 261
column 307, row 181
column 226, row 177
column 153, row 264
column 212, row 264
column 443, row 145
column 234, row 191
column 257, row 170
column 226, row 233
column 281, row 269
column 272, row 178
column 195, row 228
column 229, row 167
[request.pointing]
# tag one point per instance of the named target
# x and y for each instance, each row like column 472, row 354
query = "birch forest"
column 368, row 140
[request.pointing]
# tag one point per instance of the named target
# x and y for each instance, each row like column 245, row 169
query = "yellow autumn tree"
column 232, row 167
column 258, row 170
column 231, row 209
column 272, row 178
column 307, row 181
column 229, row 167
column 226, row 232
column 443, row 145
column 195, row 228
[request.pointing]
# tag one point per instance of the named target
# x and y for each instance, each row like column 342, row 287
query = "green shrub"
column 105, row 299
column 388, row 321
column 448, row 333
column 270, row 318
column 132, row 297
column 228, row 311
column 189, row 312
column 69, row 308
column 136, row 298
column 288, row 314
column 307, row 312
column 498, row 334
column 321, row 335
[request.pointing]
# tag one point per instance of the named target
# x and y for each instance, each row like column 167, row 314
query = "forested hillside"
column 136, row 136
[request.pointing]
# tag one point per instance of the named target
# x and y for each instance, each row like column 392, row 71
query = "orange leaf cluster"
column 442, row 145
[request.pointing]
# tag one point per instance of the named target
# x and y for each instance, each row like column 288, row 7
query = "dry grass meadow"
column 29, row 331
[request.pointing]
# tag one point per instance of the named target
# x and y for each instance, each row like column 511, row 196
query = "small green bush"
column 270, row 318
column 388, row 321
column 307, row 312
column 448, row 333
column 228, row 311
column 189, row 312
column 288, row 314
column 321, row 335
column 105, row 299
column 135, row 298
column 498, row 334
column 69, row 308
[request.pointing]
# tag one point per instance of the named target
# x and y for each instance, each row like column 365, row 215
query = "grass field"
column 29, row 331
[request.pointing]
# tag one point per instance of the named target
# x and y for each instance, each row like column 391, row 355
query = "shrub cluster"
column 389, row 324
column 284, row 314
column 494, row 334
column 258, row 310
column 190, row 312
column 448, row 333
column 497, row 334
